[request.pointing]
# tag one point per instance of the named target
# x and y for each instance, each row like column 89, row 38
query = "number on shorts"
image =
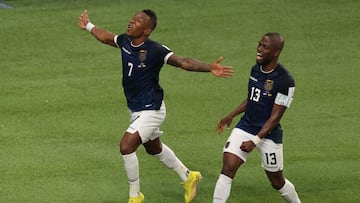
column 270, row 158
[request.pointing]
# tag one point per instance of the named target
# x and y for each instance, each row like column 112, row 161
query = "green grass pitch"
column 62, row 110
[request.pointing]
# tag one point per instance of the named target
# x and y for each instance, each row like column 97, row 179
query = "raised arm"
column 190, row 64
column 102, row 35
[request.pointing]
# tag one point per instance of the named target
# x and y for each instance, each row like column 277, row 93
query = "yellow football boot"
column 190, row 185
column 139, row 199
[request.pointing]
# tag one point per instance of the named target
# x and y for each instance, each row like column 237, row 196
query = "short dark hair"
column 153, row 18
column 278, row 37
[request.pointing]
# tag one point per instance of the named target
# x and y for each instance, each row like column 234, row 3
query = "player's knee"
column 123, row 149
column 149, row 151
column 277, row 185
column 129, row 143
column 153, row 149
column 229, row 171
column 126, row 149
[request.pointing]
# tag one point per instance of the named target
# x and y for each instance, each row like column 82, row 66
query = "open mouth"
column 129, row 27
column 259, row 56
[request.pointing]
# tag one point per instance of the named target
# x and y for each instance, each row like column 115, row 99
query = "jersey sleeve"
column 165, row 52
column 115, row 40
column 286, row 91
column 118, row 39
column 167, row 57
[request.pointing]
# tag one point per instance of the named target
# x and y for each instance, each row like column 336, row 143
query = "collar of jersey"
column 136, row 45
column 266, row 71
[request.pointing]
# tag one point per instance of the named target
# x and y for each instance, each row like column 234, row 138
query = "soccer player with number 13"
column 270, row 93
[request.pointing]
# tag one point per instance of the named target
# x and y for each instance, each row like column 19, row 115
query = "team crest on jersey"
column 142, row 58
column 268, row 86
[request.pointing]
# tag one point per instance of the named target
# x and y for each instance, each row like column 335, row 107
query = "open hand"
column 83, row 20
column 221, row 71
column 223, row 122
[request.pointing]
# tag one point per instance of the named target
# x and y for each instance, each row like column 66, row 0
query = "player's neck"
column 268, row 68
column 138, row 41
column 136, row 44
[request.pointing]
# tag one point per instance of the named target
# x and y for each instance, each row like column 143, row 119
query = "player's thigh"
column 234, row 141
column 147, row 123
column 272, row 155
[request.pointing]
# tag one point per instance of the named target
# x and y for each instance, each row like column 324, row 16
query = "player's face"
column 266, row 51
column 139, row 25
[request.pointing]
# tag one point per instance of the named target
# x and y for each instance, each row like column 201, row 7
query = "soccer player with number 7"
column 270, row 93
column 142, row 60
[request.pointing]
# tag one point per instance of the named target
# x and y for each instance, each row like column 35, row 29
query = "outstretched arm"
column 103, row 36
column 190, row 64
